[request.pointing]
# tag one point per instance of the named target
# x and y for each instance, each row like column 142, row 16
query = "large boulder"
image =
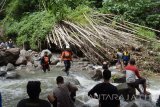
column 9, row 56
column 10, row 67
column 21, row 60
column 98, row 75
column 126, row 92
column 25, row 54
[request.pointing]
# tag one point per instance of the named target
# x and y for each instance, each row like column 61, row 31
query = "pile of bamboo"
column 98, row 40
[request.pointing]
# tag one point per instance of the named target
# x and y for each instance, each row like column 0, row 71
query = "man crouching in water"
column 63, row 95
column 45, row 61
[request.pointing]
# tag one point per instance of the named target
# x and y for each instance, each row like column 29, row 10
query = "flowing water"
column 15, row 90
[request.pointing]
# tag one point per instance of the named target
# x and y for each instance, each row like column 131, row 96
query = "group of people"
column 7, row 45
column 123, row 57
column 66, row 56
column 128, row 66
column 63, row 95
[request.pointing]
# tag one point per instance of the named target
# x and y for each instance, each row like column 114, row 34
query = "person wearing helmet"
column 66, row 56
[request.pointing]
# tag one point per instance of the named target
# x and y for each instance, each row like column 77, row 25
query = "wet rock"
column 98, row 75
column 59, row 64
column 72, row 80
column 126, row 92
column 30, row 67
column 119, row 80
column 12, row 75
column 10, row 67
column 3, row 68
column 9, row 56
column 55, row 62
column 3, row 73
column 131, row 104
column 21, row 60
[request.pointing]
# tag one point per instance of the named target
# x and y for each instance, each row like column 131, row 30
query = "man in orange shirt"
column 67, row 58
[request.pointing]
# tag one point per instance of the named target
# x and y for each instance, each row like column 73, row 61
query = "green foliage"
column 145, row 33
column 144, row 12
column 16, row 8
column 32, row 27
column 77, row 15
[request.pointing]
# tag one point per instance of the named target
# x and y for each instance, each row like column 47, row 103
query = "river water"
column 15, row 90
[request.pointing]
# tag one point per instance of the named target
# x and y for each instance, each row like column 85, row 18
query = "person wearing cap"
column 66, row 56
column 45, row 61
column 33, row 91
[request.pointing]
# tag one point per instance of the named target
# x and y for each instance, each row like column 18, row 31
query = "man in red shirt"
column 131, row 73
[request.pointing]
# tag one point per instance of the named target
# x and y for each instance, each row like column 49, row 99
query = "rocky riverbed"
column 15, row 77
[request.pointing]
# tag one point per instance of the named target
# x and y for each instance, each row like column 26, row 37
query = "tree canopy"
column 32, row 20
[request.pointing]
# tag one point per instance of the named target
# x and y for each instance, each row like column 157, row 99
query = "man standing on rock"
column 107, row 93
column 131, row 73
column 45, row 61
column 67, row 58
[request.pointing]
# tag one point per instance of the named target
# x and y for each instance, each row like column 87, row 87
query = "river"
column 15, row 90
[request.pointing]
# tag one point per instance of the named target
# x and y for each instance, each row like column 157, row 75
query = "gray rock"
column 21, row 60
column 55, row 62
column 3, row 73
column 120, row 80
column 3, row 68
column 12, row 75
column 126, row 92
column 9, row 56
column 10, row 67
column 98, row 75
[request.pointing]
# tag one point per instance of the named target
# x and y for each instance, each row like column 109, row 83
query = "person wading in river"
column 131, row 73
column 33, row 91
column 107, row 93
column 66, row 56
column 63, row 95
column 45, row 61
